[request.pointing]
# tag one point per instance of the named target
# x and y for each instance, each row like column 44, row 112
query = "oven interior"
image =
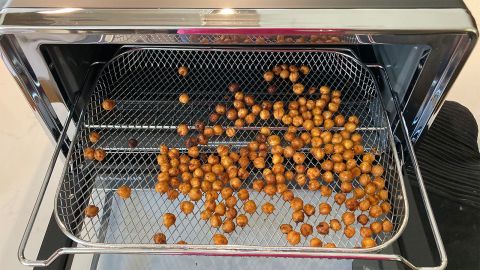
column 76, row 69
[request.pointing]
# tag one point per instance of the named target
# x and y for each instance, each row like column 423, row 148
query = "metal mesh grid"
column 145, row 85
column 208, row 39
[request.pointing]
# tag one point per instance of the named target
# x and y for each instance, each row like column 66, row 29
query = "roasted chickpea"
column 256, row 109
column 294, row 76
column 221, row 109
column 250, row 207
column 195, row 194
column 299, row 157
column 383, row 194
column 258, row 185
column 335, row 225
column 182, row 129
column 298, row 88
column 159, row 238
column 366, row 232
column 205, row 215
column 324, row 208
column 304, row 69
column 226, row 192
column 386, row 207
column 233, row 87
column 377, row 170
column 329, row 245
column 217, row 185
column 324, row 90
column 228, row 226
column 168, row 219
column 328, row 177
column 242, row 220
column 270, row 189
column 327, row 115
column 349, row 126
column 186, row 207
column 99, row 154
column 210, row 205
column 365, row 167
column 323, row 228
column 296, row 204
column 372, row 199
column 327, row 165
column 306, row 229
column 219, row 239
column 348, row 218
column 353, row 119
column 250, row 118
column 195, row 182
column 358, row 149
column 351, row 204
column 362, row 219
column 346, row 187
column 268, row 76
column 183, row 71
column 108, row 104
column 217, row 130
column 91, row 211
column 162, row 187
column 364, row 179
column 313, row 184
column 293, row 237
column 370, row 188
column 89, row 153
column 268, row 208
column 286, row 228
column 284, row 74
column 269, row 176
column 364, row 205
column 298, row 216
column 349, row 231
column 345, row 176
column 288, row 195
column 172, row 194
column 326, row 191
column 215, row 221
column 340, row 198
column 124, row 192
column 387, row 226
column 183, row 98
column 368, row 242
column 375, row 211
column 376, row 227
column 235, row 183
column 243, row 194
column 264, row 115
column 213, row 118
column 93, row 137
column 301, row 179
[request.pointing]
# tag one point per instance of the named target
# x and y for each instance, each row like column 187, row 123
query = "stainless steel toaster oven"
column 309, row 101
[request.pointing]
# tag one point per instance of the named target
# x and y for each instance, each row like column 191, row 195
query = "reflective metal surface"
column 238, row 4
column 342, row 20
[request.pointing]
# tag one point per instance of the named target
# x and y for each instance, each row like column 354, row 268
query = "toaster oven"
column 392, row 62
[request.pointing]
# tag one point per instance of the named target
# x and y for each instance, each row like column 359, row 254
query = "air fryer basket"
column 145, row 86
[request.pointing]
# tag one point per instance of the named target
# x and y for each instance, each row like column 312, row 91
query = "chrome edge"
column 28, row 230
column 64, row 19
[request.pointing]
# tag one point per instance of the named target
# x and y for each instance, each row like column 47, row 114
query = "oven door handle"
column 26, row 235
column 423, row 191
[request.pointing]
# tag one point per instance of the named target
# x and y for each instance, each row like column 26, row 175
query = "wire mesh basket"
column 145, row 86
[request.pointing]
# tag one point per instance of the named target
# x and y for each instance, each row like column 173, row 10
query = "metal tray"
column 145, row 85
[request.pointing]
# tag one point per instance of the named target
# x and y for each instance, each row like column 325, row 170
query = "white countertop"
column 25, row 152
